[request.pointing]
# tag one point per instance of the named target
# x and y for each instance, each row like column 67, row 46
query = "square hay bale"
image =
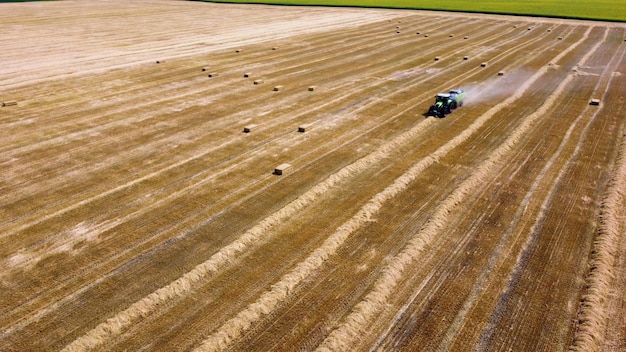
column 465, row 37
column 417, row 32
column 9, row 103
column 247, row 74
column 249, row 128
column 594, row 102
column 212, row 74
column 277, row 88
column 238, row 50
column 484, row 64
column 425, row 35
column 451, row 35
column 274, row 48
column 312, row 88
column 465, row 57
column 278, row 170
column 501, row 73
column 204, row 69
column 257, row 81
column 436, row 58
column 560, row 38
column 159, row 61
column 303, row 128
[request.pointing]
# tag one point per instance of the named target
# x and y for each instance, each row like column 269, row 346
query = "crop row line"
column 233, row 328
column 408, row 103
column 103, row 329
column 365, row 311
column 593, row 314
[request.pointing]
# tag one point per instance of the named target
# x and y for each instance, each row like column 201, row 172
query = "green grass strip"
column 606, row 10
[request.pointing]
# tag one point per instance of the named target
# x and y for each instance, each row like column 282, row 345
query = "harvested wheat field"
column 191, row 176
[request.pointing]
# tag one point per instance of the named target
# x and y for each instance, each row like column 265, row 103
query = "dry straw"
column 253, row 237
column 368, row 309
column 235, row 327
column 600, row 280
column 343, row 338
column 365, row 312
column 593, row 314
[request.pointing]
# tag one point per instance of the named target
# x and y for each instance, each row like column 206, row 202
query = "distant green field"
column 610, row 10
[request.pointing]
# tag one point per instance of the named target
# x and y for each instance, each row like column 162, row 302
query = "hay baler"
column 445, row 103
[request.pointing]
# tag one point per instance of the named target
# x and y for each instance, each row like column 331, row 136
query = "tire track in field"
column 251, row 237
column 268, row 64
column 234, row 65
column 543, row 208
column 368, row 309
column 55, row 304
column 600, row 280
column 112, row 224
column 320, row 106
column 86, row 131
column 236, row 326
column 408, row 88
column 500, row 249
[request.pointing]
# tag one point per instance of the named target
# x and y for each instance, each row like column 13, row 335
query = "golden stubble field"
column 135, row 213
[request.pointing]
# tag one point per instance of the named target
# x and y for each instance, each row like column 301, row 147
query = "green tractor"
column 445, row 103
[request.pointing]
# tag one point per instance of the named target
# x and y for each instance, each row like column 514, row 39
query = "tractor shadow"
column 428, row 114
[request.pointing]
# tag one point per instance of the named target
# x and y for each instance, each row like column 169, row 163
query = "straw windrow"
column 364, row 313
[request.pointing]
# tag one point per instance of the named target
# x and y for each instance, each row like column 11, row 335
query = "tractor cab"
column 441, row 105
column 445, row 103
column 442, row 98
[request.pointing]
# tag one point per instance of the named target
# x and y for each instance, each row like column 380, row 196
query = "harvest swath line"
column 365, row 311
column 203, row 181
column 69, row 297
column 109, row 274
column 593, row 313
column 502, row 245
column 508, row 53
column 269, row 300
column 101, row 127
column 558, row 179
column 212, row 150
